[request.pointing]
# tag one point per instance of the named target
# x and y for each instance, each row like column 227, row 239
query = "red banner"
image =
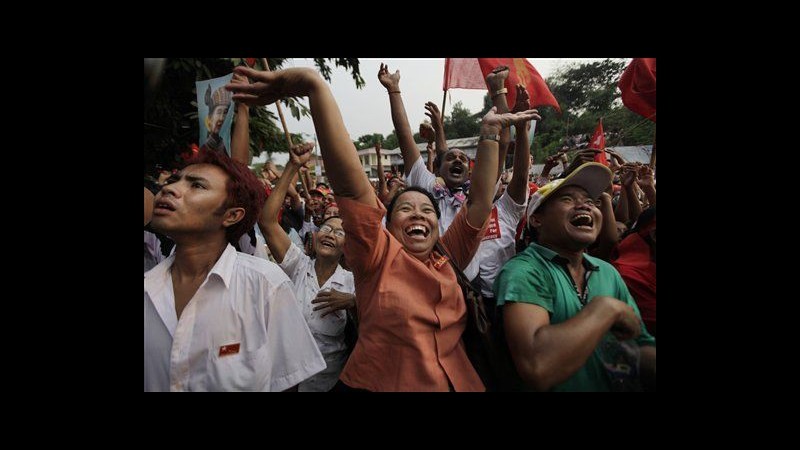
column 521, row 71
column 493, row 229
column 463, row 73
column 638, row 86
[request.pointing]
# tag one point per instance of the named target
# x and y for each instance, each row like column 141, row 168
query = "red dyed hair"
column 244, row 190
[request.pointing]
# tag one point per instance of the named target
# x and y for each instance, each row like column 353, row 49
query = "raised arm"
column 621, row 211
column 306, row 189
column 495, row 82
column 431, row 157
column 383, row 192
column 518, row 186
column 549, row 162
column 399, row 118
column 608, row 236
column 484, row 174
column 294, row 196
column 396, row 186
column 647, row 182
column 581, row 157
column 277, row 239
column 628, row 179
column 437, row 123
column 338, row 151
column 240, row 141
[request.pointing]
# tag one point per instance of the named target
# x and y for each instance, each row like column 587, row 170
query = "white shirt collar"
column 158, row 284
column 224, row 266
column 337, row 278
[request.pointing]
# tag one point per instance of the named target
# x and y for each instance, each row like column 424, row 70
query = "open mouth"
column 457, row 171
column 327, row 244
column 583, row 222
column 164, row 205
column 417, row 231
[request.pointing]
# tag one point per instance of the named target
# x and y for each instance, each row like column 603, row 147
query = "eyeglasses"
column 327, row 229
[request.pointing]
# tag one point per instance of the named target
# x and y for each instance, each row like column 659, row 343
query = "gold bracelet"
column 394, row 92
column 500, row 91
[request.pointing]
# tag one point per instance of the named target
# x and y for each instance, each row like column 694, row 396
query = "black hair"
column 152, row 185
column 412, row 189
column 531, row 233
column 329, row 218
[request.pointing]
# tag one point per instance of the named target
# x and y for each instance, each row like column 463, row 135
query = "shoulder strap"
column 462, row 279
column 472, row 297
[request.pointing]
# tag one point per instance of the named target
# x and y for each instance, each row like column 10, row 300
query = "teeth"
column 587, row 223
column 417, row 228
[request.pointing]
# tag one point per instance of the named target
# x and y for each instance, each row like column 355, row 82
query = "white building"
column 632, row 153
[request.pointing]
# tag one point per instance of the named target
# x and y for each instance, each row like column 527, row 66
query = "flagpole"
column 444, row 98
column 280, row 112
column 318, row 162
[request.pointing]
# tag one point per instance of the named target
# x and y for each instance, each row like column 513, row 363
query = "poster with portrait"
column 215, row 112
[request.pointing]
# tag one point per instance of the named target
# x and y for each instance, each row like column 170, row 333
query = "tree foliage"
column 461, row 123
column 170, row 110
column 391, row 141
column 586, row 92
column 369, row 141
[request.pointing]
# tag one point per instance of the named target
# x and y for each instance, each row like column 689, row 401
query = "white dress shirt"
column 241, row 331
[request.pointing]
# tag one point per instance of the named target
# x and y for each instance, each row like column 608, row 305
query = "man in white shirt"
column 217, row 319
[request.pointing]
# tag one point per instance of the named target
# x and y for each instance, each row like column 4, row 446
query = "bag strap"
column 472, row 297
column 462, row 279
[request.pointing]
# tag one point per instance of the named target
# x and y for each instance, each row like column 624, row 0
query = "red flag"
column 463, row 73
column 599, row 142
column 521, row 71
column 638, row 86
column 251, row 62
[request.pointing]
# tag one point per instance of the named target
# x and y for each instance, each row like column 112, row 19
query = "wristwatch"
column 491, row 137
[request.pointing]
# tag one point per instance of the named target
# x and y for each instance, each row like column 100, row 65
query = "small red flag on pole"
column 598, row 142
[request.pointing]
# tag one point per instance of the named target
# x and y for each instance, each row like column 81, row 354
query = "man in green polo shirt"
column 569, row 320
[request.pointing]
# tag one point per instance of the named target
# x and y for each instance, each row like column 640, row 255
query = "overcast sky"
column 366, row 110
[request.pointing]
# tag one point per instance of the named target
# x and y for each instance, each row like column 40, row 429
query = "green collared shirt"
column 539, row 276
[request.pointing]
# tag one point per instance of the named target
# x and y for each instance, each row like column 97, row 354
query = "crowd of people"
column 280, row 282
